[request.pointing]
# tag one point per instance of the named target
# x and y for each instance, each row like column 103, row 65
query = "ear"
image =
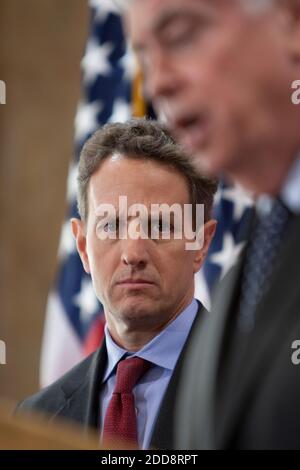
column 200, row 255
column 78, row 230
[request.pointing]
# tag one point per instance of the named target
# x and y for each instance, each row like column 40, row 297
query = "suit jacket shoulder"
column 77, row 384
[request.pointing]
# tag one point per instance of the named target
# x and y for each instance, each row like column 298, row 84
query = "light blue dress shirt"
column 163, row 351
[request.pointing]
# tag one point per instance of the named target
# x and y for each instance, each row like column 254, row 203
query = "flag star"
column 128, row 62
column 104, row 7
column 72, row 182
column 218, row 196
column 240, row 198
column 121, row 111
column 86, row 300
column 228, row 256
column 96, row 60
column 67, row 243
column 86, row 119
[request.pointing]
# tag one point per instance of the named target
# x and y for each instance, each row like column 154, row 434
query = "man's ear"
column 200, row 255
column 78, row 229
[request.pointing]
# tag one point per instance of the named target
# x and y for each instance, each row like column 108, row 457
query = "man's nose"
column 135, row 253
column 161, row 79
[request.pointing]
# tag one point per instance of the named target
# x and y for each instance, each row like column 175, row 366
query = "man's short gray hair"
column 144, row 140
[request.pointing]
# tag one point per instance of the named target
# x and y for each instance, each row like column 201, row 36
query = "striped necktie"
column 261, row 259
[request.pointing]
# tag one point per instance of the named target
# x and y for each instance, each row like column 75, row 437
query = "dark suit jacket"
column 262, row 408
column 76, row 395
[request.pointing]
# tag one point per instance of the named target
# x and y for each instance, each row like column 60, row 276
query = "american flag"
column 74, row 318
column 233, row 209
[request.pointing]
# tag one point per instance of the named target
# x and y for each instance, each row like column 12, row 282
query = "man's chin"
column 135, row 308
column 214, row 162
column 136, row 313
column 142, row 321
column 204, row 163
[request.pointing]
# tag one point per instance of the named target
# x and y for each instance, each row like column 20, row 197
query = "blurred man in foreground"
column 134, row 183
column 222, row 72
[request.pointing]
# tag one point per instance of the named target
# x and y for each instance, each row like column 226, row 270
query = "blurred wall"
column 41, row 44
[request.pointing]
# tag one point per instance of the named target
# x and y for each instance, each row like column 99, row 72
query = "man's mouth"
column 132, row 283
column 191, row 130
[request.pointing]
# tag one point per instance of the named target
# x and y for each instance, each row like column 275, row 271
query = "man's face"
column 222, row 78
column 143, row 283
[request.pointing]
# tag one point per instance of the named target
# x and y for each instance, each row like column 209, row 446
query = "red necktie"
column 120, row 419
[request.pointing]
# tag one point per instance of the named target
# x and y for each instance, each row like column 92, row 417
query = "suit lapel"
column 211, row 350
column 275, row 318
column 82, row 405
column 223, row 302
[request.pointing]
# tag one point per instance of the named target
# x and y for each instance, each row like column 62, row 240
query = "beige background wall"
column 41, row 44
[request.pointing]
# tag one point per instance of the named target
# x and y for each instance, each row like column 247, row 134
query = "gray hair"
column 141, row 139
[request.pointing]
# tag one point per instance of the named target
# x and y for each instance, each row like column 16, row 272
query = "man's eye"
column 177, row 38
column 161, row 226
column 156, row 226
column 179, row 34
column 183, row 31
column 108, row 227
column 111, row 227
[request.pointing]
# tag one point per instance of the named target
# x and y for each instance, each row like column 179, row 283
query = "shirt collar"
column 290, row 193
column 163, row 350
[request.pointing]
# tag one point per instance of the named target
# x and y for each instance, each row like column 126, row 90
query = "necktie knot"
column 129, row 372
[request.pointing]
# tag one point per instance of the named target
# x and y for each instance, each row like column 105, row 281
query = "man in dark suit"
column 224, row 74
column 142, row 247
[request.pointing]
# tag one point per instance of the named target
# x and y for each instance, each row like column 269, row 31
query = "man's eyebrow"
column 163, row 21
column 170, row 16
column 106, row 215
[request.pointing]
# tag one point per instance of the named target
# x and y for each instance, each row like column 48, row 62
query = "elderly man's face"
column 222, row 77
